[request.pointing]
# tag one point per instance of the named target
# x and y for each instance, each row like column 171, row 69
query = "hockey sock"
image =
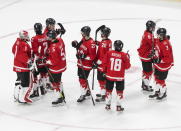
column 119, row 97
column 83, row 84
column 146, row 77
column 103, row 87
column 108, row 97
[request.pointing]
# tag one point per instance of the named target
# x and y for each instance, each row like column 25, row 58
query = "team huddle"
column 39, row 67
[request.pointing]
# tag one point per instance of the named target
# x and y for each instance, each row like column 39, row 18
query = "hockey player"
column 103, row 47
column 114, row 65
column 86, row 53
column 50, row 25
column 56, row 61
column 163, row 61
column 39, row 46
column 22, row 59
column 144, row 50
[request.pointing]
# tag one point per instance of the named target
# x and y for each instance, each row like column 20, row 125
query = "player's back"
column 116, row 64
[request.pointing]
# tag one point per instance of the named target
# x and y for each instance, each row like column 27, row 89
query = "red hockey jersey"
column 146, row 46
column 22, row 54
column 103, row 47
column 114, row 65
column 39, row 47
column 88, row 48
column 56, row 55
column 163, row 51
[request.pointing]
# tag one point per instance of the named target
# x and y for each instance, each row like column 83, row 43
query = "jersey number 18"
column 115, row 64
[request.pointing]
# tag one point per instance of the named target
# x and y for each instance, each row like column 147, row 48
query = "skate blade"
column 153, row 98
column 163, row 99
column 99, row 101
column 57, row 105
column 146, row 92
column 120, row 110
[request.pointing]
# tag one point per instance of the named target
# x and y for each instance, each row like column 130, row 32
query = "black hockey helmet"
column 50, row 21
column 162, row 31
column 118, row 45
column 38, row 28
column 105, row 31
column 150, row 25
column 86, row 30
column 51, row 34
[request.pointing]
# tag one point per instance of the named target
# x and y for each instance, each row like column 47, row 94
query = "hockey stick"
column 97, row 30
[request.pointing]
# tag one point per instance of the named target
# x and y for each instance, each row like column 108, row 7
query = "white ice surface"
column 127, row 21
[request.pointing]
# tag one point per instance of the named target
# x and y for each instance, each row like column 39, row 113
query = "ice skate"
column 154, row 95
column 81, row 98
column 146, row 88
column 49, row 87
column 43, row 90
column 161, row 97
column 108, row 107
column 88, row 93
column 119, row 108
column 34, row 94
column 101, row 98
column 59, row 101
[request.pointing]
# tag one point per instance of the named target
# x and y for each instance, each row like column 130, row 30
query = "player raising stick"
column 103, row 47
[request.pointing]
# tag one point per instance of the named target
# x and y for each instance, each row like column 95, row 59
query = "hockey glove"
column 168, row 37
column 95, row 65
column 62, row 31
column 35, row 72
column 74, row 44
column 58, row 31
column 156, row 60
column 30, row 63
column 97, row 43
column 152, row 53
column 80, row 56
column 103, row 75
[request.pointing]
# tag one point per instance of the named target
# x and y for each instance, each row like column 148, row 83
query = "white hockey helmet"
column 24, row 35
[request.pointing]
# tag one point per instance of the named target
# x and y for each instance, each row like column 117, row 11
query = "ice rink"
column 127, row 19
